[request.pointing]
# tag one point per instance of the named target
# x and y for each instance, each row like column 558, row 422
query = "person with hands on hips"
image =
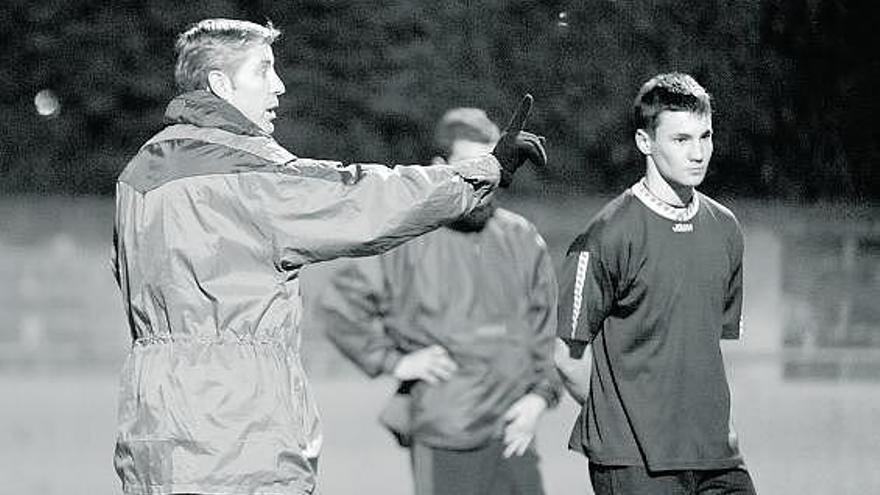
column 464, row 317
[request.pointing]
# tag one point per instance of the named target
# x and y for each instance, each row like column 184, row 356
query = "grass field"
column 62, row 338
column 56, row 436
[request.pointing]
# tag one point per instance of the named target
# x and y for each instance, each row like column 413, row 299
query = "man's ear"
column 644, row 142
column 220, row 84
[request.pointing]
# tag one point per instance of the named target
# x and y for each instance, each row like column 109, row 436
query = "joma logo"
column 683, row 227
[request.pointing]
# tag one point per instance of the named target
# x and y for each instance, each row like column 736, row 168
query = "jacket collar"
column 203, row 109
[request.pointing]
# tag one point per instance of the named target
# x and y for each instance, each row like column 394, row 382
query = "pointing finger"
column 522, row 113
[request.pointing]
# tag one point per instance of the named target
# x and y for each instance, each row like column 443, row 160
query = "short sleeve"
column 732, row 324
column 586, row 291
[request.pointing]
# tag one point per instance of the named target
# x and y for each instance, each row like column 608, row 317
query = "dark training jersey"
column 654, row 288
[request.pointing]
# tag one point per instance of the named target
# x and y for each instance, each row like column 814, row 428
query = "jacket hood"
column 204, row 109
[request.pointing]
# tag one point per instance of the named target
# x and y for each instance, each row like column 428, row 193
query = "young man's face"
column 256, row 87
column 681, row 146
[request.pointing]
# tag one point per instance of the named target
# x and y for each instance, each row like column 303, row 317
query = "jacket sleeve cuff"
column 481, row 170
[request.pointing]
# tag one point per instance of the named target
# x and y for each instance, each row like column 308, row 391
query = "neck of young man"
column 668, row 191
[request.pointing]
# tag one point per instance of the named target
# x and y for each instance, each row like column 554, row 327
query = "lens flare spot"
column 47, row 103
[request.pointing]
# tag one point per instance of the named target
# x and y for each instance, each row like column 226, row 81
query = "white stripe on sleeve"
column 579, row 281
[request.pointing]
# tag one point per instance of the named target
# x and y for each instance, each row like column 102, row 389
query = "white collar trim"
column 683, row 214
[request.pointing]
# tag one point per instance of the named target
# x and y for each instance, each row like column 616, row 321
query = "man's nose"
column 276, row 85
column 697, row 151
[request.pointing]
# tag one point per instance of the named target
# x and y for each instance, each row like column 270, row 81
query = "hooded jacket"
column 214, row 220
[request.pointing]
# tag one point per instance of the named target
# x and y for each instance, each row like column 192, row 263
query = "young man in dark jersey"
column 649, row 289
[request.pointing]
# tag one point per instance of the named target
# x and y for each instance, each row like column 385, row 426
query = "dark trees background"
column 792, row 81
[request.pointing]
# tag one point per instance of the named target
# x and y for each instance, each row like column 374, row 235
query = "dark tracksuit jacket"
column 488, row 297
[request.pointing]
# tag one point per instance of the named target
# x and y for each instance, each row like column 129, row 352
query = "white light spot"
column 562, row 20
column 47, row 103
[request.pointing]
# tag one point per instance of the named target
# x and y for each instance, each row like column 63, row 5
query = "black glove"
column 516, row 146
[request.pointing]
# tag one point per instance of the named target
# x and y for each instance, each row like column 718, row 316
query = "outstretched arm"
column 316, row 211
column 321, row 210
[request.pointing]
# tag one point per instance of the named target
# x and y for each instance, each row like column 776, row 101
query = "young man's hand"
column 521, row 422
column 516, row 146
column 431, row 364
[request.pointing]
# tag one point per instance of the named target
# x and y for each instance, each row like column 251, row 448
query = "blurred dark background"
column 83, row 83
column 793, row 82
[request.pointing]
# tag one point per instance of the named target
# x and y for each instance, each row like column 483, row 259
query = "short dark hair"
column 676, row 92
column 216, row 44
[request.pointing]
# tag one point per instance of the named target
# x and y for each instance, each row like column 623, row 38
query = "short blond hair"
column 216, row 44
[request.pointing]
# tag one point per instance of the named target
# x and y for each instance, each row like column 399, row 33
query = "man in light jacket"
column 465, row 317
column 214, row 220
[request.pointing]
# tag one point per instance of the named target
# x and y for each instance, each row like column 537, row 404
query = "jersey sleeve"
column 351, row 310
column 315, row 211
column 586, row 291
column 732, row 325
